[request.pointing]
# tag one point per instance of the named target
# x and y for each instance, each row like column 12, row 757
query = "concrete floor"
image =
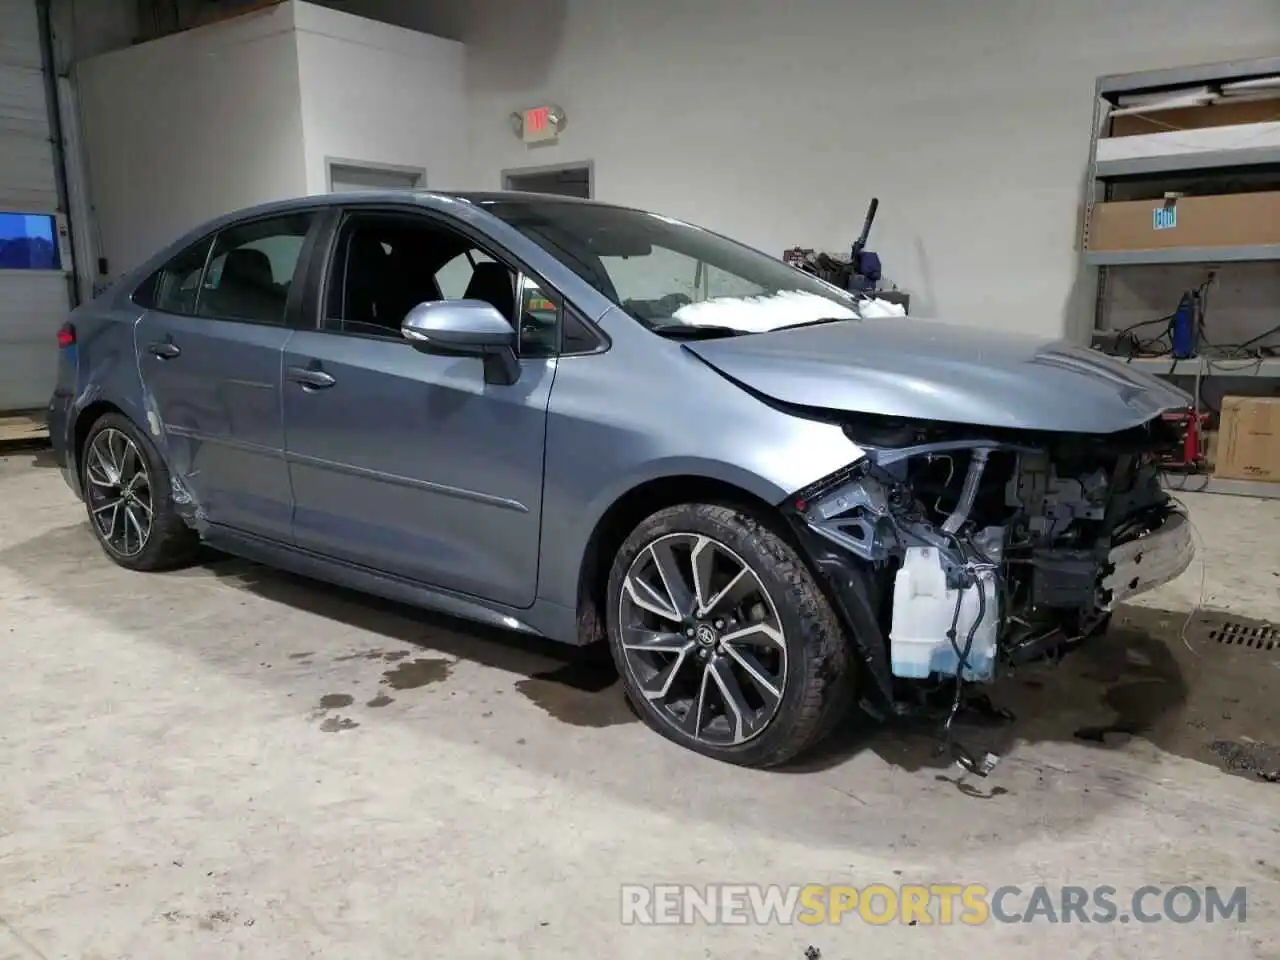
column 228, row 761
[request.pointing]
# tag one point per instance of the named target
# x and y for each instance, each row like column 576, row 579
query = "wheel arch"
column 641, row 500
column 82, row 422
column 84, row 418
column 87, row 417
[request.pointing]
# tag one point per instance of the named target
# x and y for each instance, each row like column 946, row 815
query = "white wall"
column 190, row 126
column 776, row 122
column 380, row 94
column 199, row 123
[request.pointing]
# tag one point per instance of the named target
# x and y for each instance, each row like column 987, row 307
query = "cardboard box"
column 1222, row 220
column 1195, row 118
column 1249, row 439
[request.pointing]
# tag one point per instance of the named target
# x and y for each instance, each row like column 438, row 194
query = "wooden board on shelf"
column 20, row 427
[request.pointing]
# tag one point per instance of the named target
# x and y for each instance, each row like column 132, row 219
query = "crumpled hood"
column 938, row 371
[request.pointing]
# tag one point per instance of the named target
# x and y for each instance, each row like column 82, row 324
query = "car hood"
column 903, row 367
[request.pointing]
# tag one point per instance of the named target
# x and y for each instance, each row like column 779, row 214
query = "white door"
column 352, row 177
column 34, row 253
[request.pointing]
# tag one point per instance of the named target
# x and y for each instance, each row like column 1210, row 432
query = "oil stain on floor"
column 418, row 672
column 1156, row 675
column 584, row 692
column 338, row 724
column 1162, row 677
column 1249, row 758
column 387, row 656
column 329, row 723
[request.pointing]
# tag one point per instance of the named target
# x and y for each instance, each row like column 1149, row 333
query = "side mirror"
column 468, row 327
column 458, row 326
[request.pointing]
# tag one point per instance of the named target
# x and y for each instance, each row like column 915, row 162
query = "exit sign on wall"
column 539, row 123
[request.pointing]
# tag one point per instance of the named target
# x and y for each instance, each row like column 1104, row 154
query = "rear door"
column 406, row 462
column 209, row 349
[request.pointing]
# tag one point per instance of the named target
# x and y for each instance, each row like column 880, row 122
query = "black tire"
column 819, row 686
column 170, row 542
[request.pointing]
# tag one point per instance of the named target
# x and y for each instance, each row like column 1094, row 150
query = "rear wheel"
column 127, row 493
column 723, row 638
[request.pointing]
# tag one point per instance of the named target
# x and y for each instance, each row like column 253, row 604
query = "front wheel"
column 723, row 639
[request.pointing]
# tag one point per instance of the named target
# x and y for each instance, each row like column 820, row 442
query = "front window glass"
column 675, row 278
column 539, row 321
column 387, row 265
column 454, row 277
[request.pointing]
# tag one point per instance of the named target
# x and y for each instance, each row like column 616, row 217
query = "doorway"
column 347, row 176
column 565, row 180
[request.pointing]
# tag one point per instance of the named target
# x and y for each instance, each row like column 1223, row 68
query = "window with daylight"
column 28, row 241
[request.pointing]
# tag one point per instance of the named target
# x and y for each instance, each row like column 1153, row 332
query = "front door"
column 406, row 462
column 209, row 349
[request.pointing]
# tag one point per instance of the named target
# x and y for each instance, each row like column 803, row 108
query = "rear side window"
column 251, row 269
column 175, row 287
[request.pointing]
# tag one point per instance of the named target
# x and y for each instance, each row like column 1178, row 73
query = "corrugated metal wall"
column 33, row 302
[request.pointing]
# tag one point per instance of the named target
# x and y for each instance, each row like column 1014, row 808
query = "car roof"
column 428, row 199
column 437, row 199
column 413, row 196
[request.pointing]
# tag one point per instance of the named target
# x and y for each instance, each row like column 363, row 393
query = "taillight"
column 66, row 335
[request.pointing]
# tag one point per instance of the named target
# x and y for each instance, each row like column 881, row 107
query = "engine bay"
column 990, row 548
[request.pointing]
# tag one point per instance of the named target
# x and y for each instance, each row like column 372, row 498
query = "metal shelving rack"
column 1103, row 175
column 1208, row 367
column 1188, row 162
column 1118, row 258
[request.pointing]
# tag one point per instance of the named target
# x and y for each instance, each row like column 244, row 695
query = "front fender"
column 648, row 410
column 680, row 468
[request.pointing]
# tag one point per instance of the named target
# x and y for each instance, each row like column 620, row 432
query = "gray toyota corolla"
column 584, row 422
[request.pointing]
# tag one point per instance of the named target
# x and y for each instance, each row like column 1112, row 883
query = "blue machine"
column 1185, row 327
column 865, row 265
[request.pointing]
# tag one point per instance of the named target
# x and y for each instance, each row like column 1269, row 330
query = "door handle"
column 311, row 378
column 164, row 349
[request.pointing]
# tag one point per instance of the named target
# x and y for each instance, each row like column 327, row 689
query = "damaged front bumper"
column 1013, row 550
column 1148, row 561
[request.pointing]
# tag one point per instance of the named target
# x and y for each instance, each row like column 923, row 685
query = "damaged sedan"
column 591, row 423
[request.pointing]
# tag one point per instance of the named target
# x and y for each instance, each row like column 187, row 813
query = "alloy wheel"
column 118, row 489
column 702, row 639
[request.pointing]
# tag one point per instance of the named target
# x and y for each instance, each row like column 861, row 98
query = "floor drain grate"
column 1255, row 637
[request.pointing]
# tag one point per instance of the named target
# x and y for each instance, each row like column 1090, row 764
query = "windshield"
column 672, row 277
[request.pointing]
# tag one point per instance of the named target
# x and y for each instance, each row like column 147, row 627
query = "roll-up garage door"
column 34, row 252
